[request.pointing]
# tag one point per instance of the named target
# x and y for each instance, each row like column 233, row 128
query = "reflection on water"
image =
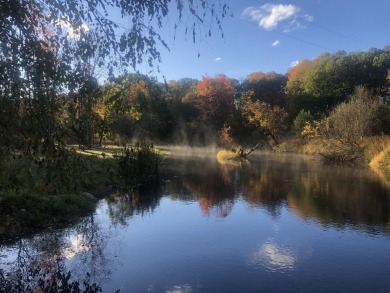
column 48, row 254
column 78, row 245
column 331, row 195
column 274, row 223
column 273, row 257
column 180, row 289
column 123, row 207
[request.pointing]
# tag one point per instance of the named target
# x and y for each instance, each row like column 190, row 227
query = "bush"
column 361, row 116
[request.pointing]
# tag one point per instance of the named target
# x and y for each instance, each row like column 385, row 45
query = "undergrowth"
column 37, row 192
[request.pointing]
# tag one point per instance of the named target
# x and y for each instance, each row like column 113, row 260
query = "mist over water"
column 190, row 151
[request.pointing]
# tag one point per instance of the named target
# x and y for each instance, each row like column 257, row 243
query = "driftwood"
column 243, row 153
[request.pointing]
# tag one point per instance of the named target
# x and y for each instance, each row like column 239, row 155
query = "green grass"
column 40, row 192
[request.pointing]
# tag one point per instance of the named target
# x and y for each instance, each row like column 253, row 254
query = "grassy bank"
column 373, row 151
column 381, row 165
column 37, row 193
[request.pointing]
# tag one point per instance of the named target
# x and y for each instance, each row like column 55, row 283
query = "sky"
column 273, row 36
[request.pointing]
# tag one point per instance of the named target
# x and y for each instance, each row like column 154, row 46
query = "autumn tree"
column 269, row 120
column 134, row 105
column 215, row 100
column 48, row 47
column 267, row 87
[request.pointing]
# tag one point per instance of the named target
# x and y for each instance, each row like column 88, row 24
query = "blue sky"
column 271, row 36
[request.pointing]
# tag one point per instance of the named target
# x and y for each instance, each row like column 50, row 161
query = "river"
column 275, row 223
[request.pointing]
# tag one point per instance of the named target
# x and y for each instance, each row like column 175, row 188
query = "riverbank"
column 372, row 151
column 34, row 197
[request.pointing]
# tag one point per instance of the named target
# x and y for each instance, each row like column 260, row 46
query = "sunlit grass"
column 228, row 157
column 112, row 151
column 381, row 165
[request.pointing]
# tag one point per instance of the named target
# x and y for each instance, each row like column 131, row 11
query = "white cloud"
column 275, row 43
column 218, row 59
column 268, row 16
column 294, row 63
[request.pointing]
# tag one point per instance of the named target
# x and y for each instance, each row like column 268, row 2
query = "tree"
column 48, row 47
column 267, row 87
column 215, row 100
column 134, row 105
column 181, row 102
column 319, row 85
column 269, row 120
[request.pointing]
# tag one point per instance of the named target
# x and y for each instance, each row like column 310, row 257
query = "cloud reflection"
column 274, row 257
column 180, row 289
column 78, row 245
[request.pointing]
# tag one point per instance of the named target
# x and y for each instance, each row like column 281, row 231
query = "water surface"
column 277, row 223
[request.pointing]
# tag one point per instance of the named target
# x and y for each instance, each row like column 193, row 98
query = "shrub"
column 361, row 116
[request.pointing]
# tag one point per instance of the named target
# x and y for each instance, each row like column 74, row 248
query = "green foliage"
column 134, row 106
column 301, row 121
column 48, row 58
column 319, row 85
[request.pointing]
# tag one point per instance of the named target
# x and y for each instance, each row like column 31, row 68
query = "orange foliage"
column 298, row 70
column 216, row 99
column 218, row 86
column 225, row 138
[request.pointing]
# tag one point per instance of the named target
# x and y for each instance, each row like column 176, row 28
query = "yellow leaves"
column 135, row 114
column 273, row 119
column 311, row 129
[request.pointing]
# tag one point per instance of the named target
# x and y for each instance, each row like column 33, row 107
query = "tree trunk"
column 272, row 136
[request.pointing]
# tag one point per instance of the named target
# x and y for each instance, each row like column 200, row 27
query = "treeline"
column 37, row 118
column 264, row 106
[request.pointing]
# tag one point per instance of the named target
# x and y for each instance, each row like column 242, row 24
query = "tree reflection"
column 124, row 205
column 341, row 196
column 44, row 262
column 265, row 186
column 331, row 195
column 213, row 186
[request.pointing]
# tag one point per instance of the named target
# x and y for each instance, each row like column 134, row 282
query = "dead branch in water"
column 242, row 152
